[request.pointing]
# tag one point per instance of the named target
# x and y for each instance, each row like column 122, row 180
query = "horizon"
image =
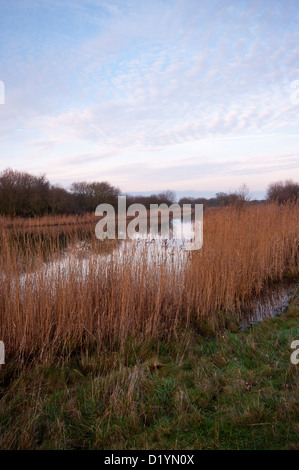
column 256, row 195
column 171, row 94
column 253, row 195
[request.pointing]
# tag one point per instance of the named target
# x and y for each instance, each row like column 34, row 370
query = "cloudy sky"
column 151, row 94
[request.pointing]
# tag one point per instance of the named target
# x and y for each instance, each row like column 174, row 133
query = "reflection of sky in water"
column 177, row 233
column 153, row 250
column 271, row 303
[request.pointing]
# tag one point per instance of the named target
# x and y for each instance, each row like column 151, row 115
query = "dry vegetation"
column 53, row 312
column 19, row 224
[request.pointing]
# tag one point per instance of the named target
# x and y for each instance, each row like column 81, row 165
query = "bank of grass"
column 229, row 391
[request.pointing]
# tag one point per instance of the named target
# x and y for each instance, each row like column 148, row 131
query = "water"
column 274, row 301
column 79, row 257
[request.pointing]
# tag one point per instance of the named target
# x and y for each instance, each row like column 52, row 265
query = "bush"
column 283, row 192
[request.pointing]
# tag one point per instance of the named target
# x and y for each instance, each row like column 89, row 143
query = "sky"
column 191, row 95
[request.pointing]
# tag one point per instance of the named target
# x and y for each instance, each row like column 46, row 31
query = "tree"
column 193, row 201
column 23, row 194
column 283, row 192
column 237, row 198
column 243, row 193
column 61, row 201
column 226, row 199
column 90, row 195
column 167, row 197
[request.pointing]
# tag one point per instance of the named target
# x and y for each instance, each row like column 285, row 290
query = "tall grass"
column 52, row 305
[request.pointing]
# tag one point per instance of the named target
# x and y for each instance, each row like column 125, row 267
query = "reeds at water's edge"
column 52, row 312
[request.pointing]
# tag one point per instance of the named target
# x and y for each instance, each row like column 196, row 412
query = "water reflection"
column 272, row 302
column 85, row 253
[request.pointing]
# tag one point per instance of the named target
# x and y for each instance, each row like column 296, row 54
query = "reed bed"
column 61, row 221
column 63, row 290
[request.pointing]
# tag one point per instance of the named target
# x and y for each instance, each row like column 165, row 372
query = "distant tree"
column 167, row 197
column 283, row 192
column 242, row 196
column 89, row 195
column 243, row 193
column 193, row 201
column 237, row 198
column 62, row 201
column 23, row 194
column 225, row 199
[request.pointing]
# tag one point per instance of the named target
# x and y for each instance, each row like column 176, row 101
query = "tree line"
column 26, row 195
column 280, row 192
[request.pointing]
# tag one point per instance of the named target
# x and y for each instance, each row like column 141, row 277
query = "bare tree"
column 23, row 194
column 167, row 197
column 62, row 201
column 90, row 195
column 283, row 192
column 243, row 193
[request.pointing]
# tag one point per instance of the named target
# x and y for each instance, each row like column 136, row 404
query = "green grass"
column 229, row 391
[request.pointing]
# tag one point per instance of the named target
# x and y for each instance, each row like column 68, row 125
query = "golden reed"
column 101, row 292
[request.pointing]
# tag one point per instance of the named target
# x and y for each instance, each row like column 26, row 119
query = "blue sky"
column 151, row 94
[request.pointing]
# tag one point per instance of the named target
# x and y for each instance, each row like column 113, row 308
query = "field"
column 126, row 345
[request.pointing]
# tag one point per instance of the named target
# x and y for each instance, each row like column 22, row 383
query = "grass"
column 229, row 391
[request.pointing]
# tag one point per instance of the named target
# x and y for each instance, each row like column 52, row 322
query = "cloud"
column 128, row 77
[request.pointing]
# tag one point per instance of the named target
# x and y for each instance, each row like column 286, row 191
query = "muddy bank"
column 272, row 302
